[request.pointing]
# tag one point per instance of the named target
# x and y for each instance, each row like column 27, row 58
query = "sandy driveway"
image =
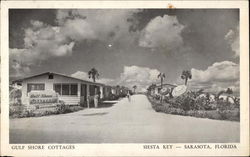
column 125, row 122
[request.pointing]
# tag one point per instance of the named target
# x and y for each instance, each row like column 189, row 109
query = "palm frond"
column 159, row 75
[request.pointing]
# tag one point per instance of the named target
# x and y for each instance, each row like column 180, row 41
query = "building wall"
column 49, row 85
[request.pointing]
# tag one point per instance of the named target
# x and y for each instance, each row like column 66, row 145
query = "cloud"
column 139, row 76
column 163, row 32
column 18, row 69
column 81, row 75
column 225, row 71
column 95, row 24
column 37, row 24
column 131, row 75
column 219, row 76
column 232, row 37
column 84, row 75
column 78, row 29
column 43, row 41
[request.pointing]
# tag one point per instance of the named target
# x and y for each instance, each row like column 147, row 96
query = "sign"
column 44, row 97
column 179, row 90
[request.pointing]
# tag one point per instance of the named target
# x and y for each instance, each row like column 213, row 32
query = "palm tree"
column 134, row 87
column 162, row 77
column 186, row 74
column 93, row 73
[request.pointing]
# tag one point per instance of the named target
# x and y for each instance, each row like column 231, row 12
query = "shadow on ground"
column 95, row 114
column 105, row 105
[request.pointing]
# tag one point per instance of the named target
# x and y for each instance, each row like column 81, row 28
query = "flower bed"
column 22, row 112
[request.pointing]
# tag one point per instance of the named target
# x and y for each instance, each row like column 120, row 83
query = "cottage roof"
column 63, row 75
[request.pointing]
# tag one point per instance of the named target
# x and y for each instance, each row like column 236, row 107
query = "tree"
column 229, row 91
column 219, row 94
column 186, row 74
column 134, row 87
column 93, row 73
column 118, row 92
column 151, row 87
column 162, row 77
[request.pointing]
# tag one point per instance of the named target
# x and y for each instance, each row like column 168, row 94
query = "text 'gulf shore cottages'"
column 70, row 90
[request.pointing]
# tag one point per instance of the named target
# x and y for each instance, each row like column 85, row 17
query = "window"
column 73, row 90
column 92, row 90
column 66, row 89
column 84, row 90
column 58, row 88
column 51, row 76
column 35, row 86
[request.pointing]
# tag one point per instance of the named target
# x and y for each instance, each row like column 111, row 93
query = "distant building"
column 119, row 90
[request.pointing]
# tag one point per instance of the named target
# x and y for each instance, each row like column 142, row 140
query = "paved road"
column 125, row 122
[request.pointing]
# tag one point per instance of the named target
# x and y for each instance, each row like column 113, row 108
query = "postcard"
column 124, row 78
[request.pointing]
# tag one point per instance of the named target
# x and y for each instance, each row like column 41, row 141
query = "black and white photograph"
column 124, row 78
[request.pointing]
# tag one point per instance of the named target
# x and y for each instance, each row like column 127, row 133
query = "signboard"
column 179, row 90
column 44, row 97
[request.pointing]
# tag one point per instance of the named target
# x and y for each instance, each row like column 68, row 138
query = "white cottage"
column 72, row 91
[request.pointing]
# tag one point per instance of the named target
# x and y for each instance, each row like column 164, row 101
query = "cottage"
column 72, row 91
column 107, row 91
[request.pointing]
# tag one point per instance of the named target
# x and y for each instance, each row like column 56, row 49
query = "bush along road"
column 188, row 105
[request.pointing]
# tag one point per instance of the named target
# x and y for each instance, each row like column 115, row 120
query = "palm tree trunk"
column 161, row 88
column 186, row 81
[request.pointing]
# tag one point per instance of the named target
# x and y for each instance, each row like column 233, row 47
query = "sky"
column 128, row 46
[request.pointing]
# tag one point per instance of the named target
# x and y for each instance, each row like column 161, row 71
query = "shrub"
column 27, row 113
column 184, row 102
column 60, row 108
column 15, row 111
column 191, row 105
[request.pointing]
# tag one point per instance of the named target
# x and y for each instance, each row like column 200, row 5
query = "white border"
column 127, row 149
